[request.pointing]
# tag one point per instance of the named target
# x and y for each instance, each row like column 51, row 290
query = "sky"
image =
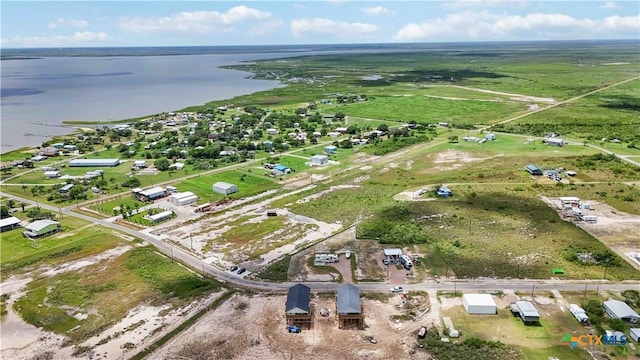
column 210, row 23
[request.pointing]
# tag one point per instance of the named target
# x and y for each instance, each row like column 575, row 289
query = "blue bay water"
column 39, row 94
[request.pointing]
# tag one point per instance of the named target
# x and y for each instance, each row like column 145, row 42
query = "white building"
column 479, row 304
column 184, row 198
column 224, row 188
column 160, row 216
column 51, row 174
column 317, row 160
column 617, row 309
column 635, row 334
column 94, row 162
column 176, row 166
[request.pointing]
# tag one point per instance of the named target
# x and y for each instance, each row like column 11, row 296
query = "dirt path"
column 433, row 316
column 516, row 97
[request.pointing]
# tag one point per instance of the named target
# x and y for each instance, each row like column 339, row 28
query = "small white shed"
column 319, row 160
column 479, row 304
column 635, row 334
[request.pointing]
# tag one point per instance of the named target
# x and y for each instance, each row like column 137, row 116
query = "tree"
column 453, row 139
column 4, row 212
column 11, row 203
column 383, row 127
column 131, row 182
column 162, row 164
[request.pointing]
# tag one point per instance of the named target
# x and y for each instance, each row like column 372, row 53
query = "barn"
column 479, row 304
column 9, row 223
column 319, row 160
column 224, row 188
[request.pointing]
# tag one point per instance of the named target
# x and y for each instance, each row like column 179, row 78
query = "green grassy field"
column 105, row 292
column 79, row 239
column 249, row 184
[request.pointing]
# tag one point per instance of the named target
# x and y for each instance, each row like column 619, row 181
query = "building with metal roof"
column 298, row 309
column 41, row 228
column 617, row 309
column 349, row 307
column 526, row 311
column 479, row 304
column 224, row 188
column 9, row 223
column 94, row 162
column 533, row 170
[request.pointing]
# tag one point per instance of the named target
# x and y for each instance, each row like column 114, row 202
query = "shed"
column 533, row 169
column 319, row 160
column 392, row 256
column 51, row 174
column 479, row 304
column 298, row 310
column 177, row 166
column 40, row 228
column 184, row 198
column 94, row 162
column 617, row 309
column 224, row 188
column 65, row 189
column 39, row 158
column 526, row 311
column 140, row 163
column 331, row 149
column 9, row 223
column 634, row 333
column 281, row 169
column 160, row 216
column 490, row 136
column 349, row 307
column 554, row 141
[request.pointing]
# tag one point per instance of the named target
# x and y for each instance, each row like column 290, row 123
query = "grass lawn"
column 106, row 292
column 249, row 184
column 79, row 239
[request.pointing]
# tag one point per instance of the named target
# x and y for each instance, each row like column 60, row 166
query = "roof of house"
column 224, row 185
column 620, row 309
column 40, row 224
column 478, row 300
column 280, row 167
column 532, row 167
column 160, row 216
column 298, row 299
column 319, row 157
column 527, row 309
column 12, row 220
column 348, row 301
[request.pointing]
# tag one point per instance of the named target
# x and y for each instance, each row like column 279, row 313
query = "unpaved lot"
column 253, row 327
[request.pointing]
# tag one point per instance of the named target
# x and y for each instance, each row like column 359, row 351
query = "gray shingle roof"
column 348, row 301
column 298, row 300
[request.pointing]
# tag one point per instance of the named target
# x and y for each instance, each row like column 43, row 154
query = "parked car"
column 294, row 329
column 347, row 254
column 241, row 270
column 396, row 289
column 233, row 268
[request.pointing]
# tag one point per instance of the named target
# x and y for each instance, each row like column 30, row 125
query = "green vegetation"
column 470, row 348
column 249, row 184
column 393, row 144
column 276, row 271
column 105, row 292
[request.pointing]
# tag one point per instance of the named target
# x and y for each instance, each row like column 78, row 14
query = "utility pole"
column 533, row 289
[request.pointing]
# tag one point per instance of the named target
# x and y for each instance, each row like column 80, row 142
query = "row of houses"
column 300, row 312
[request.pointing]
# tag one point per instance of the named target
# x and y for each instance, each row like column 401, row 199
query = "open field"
column 248, row 182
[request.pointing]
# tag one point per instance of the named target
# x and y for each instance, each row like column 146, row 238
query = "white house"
column 553, row 141
column 479, row 304
column 272, row 131
column 317, row 160
column 176, row 166
column 224, row 188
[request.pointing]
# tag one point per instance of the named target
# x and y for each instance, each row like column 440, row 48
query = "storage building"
column 298, row 310
column 554, row 141
column 349, row 307
column 617, row 309
column 490, row 136
column 224, row 188
column 526, row 311
column 41, row 228
column 331, row 149
column 9, row 223
column 533, row 170
column 184, row 198
column 317, row 160
column 150, row 194
column 392, row 256
column 160, row 216
column 94, row 162
column 479, row 304
column 634, row 333
column 65, row 189
column 51, row 174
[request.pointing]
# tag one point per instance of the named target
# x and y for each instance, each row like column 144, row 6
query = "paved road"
column 195, row 262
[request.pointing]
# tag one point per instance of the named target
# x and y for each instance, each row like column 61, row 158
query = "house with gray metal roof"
column 349, row 307
column 617, row 309
column 298, row 309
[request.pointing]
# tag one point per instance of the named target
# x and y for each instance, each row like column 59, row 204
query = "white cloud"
column 327, row 27
column 610, row 5
column 73, row 23
column 378, row 10
column 485, row 25
column 468, row 4
column 196, row 22
column 85, row 38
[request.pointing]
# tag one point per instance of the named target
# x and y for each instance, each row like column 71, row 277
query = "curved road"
column 196, row 263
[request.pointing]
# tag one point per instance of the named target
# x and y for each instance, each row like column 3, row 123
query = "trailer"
column 579, row 313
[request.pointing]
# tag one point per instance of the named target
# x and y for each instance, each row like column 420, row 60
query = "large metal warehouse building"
column 224, row 188
column 94, row 162
column 479, row 304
